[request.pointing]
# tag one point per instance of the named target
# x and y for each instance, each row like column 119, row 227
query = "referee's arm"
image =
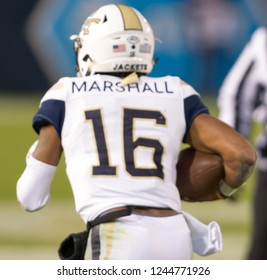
column 237, row 96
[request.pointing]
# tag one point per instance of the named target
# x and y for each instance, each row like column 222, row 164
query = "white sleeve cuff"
column 33, row 187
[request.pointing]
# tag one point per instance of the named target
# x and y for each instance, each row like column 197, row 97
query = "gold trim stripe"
column 130, row 18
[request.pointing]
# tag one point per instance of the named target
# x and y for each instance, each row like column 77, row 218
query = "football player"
column 121, row 133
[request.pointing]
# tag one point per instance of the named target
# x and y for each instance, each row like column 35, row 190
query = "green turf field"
column 37, row 235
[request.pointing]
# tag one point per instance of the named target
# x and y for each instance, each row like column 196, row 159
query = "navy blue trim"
column 193, row 106
column 51, row 112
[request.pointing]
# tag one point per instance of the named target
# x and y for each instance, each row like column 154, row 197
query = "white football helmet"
column 115, row 38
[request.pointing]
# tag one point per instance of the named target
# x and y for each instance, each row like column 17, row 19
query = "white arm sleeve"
column 33, row 187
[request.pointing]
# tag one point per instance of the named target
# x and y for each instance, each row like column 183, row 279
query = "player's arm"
column 33, row 187
column 210, row 135
column 49, row 147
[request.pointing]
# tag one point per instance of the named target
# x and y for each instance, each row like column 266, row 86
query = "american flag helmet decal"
column 119, row 48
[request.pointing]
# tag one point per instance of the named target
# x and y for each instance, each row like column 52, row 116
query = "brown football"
column 199, row 175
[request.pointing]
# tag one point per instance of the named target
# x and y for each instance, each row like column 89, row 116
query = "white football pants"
column 140, row 237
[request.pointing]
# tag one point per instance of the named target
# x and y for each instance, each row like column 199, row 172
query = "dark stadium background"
column 182, row 53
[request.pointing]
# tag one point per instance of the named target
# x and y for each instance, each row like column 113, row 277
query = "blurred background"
column 198, row 40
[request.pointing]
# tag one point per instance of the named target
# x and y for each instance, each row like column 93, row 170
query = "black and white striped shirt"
column 243, row 95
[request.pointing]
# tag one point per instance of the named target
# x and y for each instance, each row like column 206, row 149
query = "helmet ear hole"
column 86, row 57
column 105, row 19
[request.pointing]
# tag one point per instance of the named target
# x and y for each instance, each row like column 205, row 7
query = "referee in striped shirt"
column 242, row 100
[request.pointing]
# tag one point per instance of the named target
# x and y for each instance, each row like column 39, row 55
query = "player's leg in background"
column 258, row 244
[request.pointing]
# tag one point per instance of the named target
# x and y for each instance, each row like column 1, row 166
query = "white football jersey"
column 121, row 144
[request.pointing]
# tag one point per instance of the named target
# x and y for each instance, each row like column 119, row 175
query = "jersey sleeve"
column 193, row 107
column 51, row 109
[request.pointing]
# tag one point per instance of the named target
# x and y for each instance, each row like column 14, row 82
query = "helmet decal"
column 130, row 18
column 86, row 25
